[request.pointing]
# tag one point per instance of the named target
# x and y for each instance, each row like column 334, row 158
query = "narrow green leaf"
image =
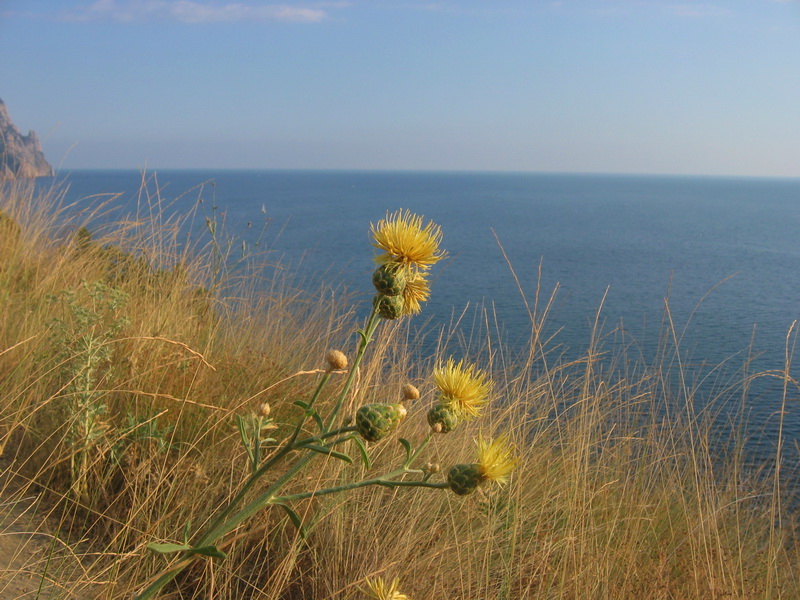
column 328, row 452
column 318, row 420
column 242, row 433
column 167, row 548
column 407, row 445
column 186, row 529
column 295, row 518
column 245, row 438
column 256, row 451
column 364, row 454
column 210, row 551
column 301, row 404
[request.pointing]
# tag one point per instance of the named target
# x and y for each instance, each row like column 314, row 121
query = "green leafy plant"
column 82, row 337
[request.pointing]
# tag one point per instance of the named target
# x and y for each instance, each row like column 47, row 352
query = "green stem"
column 222, row 524
column 326, row 435
column 366, row 337
column 382, row 481
column 417, row 452
column 287, row 447
column 256, row 451
column 151, row 590
column 213, row 534
column 299, row 427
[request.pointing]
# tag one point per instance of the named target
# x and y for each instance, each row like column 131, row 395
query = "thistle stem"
column 224, row 522
column 382, row 481
column 290, row 442
column 287, row 447
column 417, row 452
column 366, row 337
column 254, row 505
column 326, row 435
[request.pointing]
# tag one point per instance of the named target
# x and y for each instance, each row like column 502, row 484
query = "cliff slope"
column 20, row 155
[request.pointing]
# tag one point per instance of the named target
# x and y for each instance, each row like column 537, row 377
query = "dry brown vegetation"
column 125, row 355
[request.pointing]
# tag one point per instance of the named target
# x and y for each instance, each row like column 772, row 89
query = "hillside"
column 20, row 155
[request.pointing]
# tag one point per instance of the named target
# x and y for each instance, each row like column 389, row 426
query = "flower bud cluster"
column 409, row 251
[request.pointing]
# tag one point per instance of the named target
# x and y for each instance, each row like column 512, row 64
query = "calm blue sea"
column 725, row 251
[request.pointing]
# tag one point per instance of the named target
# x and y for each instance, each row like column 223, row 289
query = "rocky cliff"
column 20, row 155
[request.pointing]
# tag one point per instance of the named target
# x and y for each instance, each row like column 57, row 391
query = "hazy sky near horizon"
column 624, row 86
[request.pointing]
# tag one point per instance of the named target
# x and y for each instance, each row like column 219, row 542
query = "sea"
column 718, row 259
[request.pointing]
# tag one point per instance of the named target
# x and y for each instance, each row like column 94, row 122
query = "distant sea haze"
column 724, row 251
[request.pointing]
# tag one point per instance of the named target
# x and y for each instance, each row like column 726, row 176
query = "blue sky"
column 624, row 86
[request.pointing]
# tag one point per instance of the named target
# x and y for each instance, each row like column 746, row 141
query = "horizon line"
column 425, row 171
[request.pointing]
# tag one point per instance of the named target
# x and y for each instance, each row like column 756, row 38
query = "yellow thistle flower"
column 464, row 388
column 496, row 458
column 379, row 590
column 415, row 293
column 406, row 242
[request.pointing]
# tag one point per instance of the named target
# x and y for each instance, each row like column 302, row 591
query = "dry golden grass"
column 619, row 493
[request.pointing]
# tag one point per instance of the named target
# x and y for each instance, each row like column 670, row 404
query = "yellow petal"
column 496, row 458
column 406, row 242
column 415, row 292
column 379, row 590
column 464, row 388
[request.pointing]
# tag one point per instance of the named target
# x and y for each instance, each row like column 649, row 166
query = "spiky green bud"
column 389, row 307
column 465, row 478
column 376, row 421
column 389, row 280
column 444, row 417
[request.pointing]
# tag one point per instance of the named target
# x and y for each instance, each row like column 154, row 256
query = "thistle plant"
column 82, row 339
column 409, row 249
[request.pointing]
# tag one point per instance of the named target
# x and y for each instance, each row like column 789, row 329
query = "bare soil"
column 31, row 555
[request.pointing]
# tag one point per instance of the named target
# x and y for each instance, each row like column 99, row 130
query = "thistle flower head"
column 406, row 242
column 496, row 458
column 415, row 293
column 464, row 388
column 379, row 590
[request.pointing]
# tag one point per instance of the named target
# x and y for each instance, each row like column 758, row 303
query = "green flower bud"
column 389, row 307
column 376, row 421
column 444, row 417
column 464, row 479
column 389, row 280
